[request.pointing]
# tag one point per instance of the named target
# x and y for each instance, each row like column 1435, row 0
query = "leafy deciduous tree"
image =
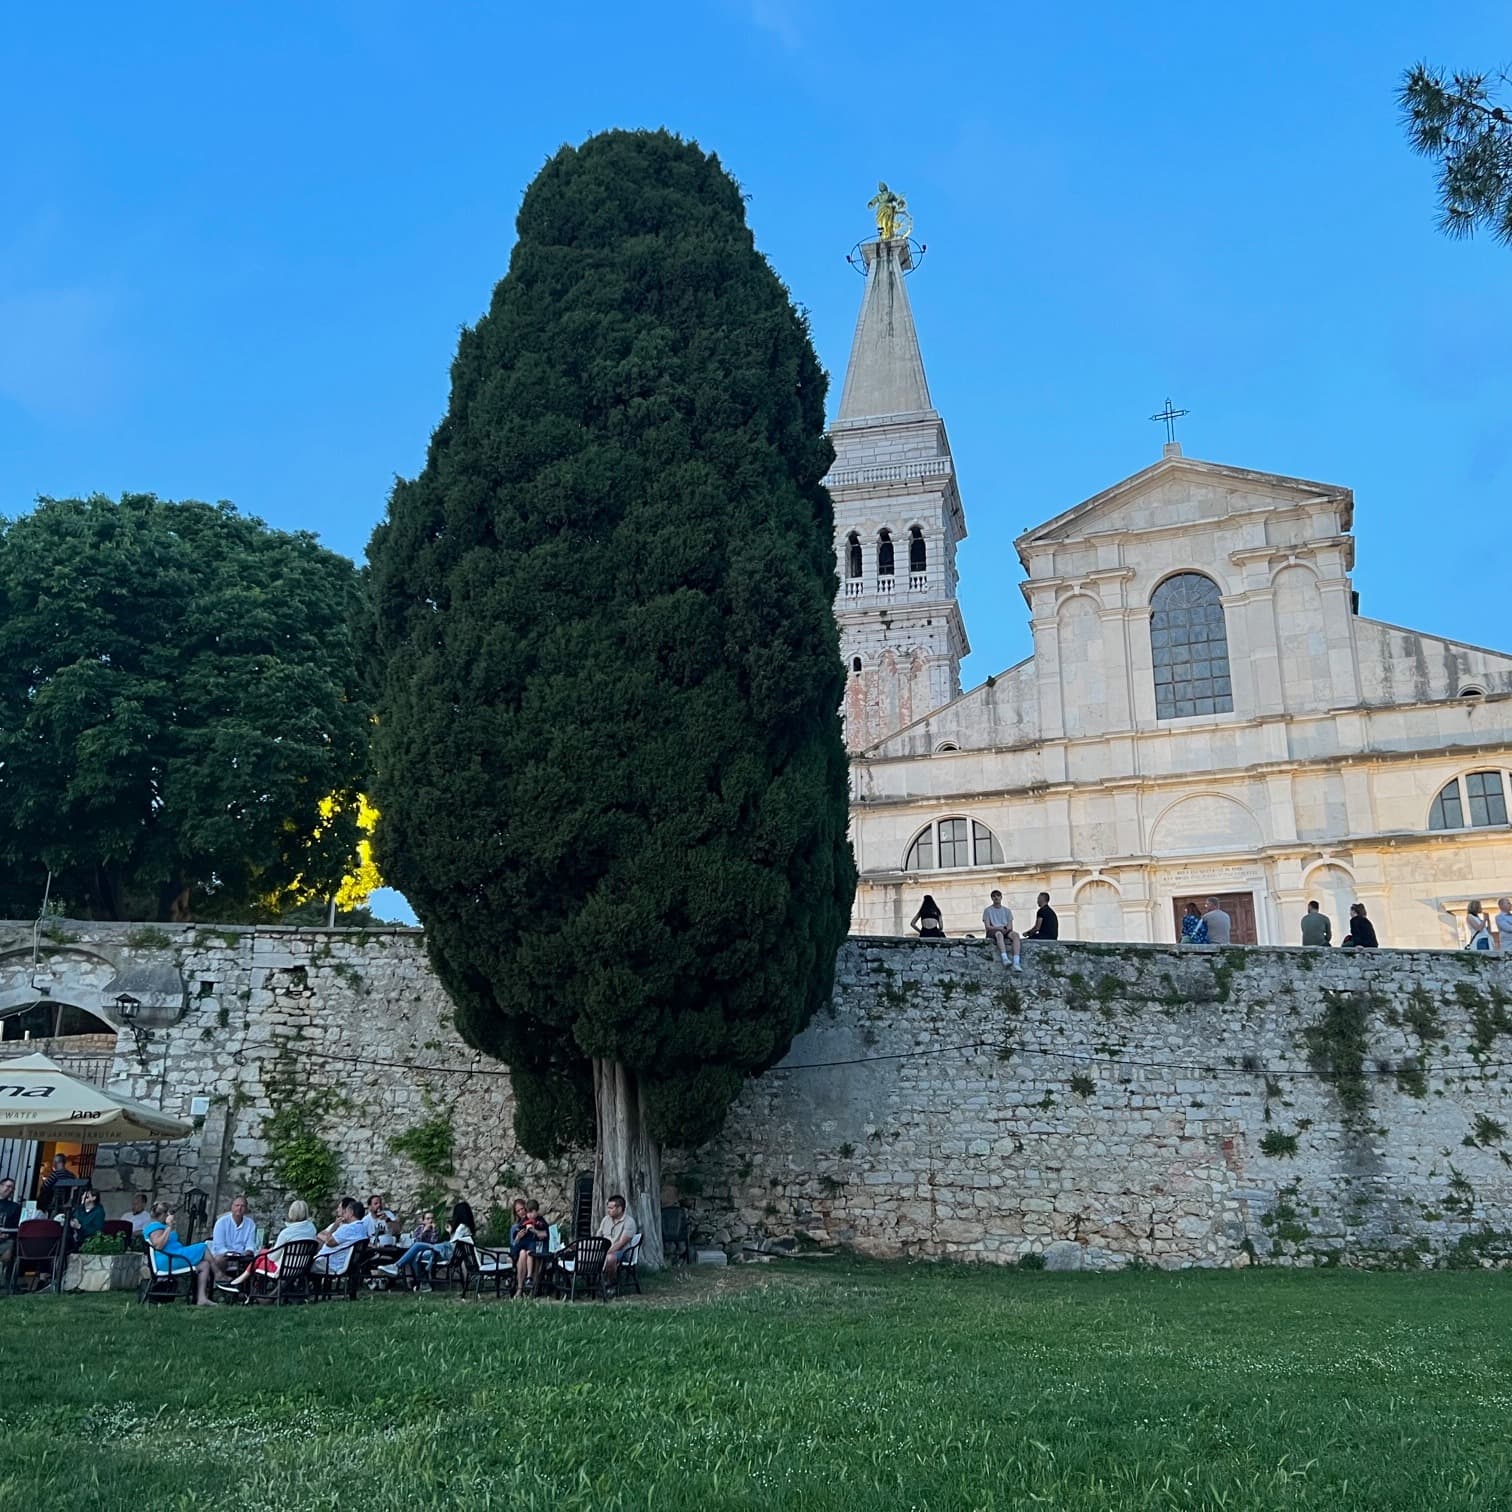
column 1455, row 121
column 179, row 690
column 608, row 754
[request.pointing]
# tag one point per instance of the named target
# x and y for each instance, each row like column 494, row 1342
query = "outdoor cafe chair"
column 677, row 1234
column 165, row 1278
column 326, row 1283
column 479, row 1265
column 580, row 1268
column 39, row 1251
column 629, row 1267
column 289, row 1281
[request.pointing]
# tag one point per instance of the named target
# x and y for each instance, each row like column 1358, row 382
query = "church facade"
column 1204, row 713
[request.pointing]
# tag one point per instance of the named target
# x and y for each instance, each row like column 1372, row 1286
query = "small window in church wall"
column 918, row 551
column 853, row 555
column 959, row 843
column 1189, row 648
column 855, row 664
column 884, row 553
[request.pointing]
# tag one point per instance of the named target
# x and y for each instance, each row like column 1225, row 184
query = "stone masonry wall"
column 1110, row 1103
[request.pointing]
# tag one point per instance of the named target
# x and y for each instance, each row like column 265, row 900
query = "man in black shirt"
column 1046, row 925
column 10, row 1216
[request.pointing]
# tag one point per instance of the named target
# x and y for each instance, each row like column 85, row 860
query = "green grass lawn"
column 820, row 1384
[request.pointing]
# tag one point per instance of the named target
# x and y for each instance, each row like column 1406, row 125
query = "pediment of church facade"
column 1179, row 494
column 1003, row 711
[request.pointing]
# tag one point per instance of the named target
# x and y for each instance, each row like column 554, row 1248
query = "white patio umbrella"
column 39, row 1100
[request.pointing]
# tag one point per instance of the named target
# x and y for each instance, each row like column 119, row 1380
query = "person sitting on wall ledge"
column 1046, row 920
column 998, row 923
column 928, row 923
column 1193, row 930
column 1362, row 935
column 1316, row 928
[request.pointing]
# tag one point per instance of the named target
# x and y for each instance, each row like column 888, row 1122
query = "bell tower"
column 898, row 515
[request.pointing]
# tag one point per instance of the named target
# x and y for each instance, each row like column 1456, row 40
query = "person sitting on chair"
column 161, row 1236
column 10, row 1220
column 349, row 1226
column 421, row 1257
column 380, row 1219
column 140, row 1215
column 535, row 1245
column 621, row 1230
column 234, row 1234
column 88, row 1219
column 299, row 1226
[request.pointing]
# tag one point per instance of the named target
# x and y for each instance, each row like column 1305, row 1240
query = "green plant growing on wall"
column 1278, row 1145
column 1461, row 1197
column 149, row 939
column 1336, row 1048
column 300, row 1158
column 429, row 1145
column 1488, row 1016
column 1082, row 1084
column 1488, row 1131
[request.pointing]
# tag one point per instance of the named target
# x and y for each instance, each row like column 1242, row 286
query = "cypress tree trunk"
column 626, row 1158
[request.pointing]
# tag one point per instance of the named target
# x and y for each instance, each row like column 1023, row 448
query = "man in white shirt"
column 379, row 1218
column 140, row 1215
column 620, row 1229
column 349, row 1227
column 234, row 1234
column 1219, row 926
column 998, row 923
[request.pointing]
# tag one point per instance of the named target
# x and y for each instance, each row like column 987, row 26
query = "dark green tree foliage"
column 178, row 691
column 608, row 758
column 1456, row 122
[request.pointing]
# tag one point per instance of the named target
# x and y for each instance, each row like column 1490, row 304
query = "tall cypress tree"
column 608, row 754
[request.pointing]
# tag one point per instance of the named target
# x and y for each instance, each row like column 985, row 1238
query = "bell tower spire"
column 898, row 514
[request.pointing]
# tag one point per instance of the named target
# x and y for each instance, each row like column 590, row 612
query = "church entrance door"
column 1240, row 907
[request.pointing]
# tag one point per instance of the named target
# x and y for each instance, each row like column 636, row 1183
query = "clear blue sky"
column 237, row 245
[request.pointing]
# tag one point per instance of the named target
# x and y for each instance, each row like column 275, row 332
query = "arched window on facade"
column 853, row 555
column 1480, row 795
column 855, row 664
column 1189, row 648
column 51, row 1021
column 884, row 553
column 918, row 551
column 956, row 843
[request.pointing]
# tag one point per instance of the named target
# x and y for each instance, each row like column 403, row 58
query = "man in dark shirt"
column 1046, row 924
column 10, row 1216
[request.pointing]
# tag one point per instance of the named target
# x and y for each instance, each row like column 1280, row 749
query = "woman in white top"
column 299, row 1226
column 1479, row 927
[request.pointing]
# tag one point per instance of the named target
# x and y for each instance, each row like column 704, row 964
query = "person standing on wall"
column 1316, row 927
column 1362, row 935
column 1046, row 921
column 998, row 923
column 1219, row 926
column 928, row 923
column 1479, row 927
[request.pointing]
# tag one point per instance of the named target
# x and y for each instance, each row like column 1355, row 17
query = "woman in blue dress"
column 160, row 1236
column 1193, row 928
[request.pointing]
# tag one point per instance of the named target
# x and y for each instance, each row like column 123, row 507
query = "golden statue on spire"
column 891, row 211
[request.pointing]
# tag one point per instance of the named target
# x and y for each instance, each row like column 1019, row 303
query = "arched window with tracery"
column 918, row 551
column 950, row 844
column 1189, row 648
column 853, row 555
column 884, row 553
column 1478, row 800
